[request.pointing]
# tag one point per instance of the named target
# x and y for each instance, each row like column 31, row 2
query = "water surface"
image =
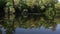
column 29, row 25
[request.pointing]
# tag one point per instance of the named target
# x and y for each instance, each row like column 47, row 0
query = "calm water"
column 29, row 25
column 40, row 30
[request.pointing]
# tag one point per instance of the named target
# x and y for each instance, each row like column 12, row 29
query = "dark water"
column 29, row 25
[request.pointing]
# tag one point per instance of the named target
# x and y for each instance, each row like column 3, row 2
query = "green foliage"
column 2, row 3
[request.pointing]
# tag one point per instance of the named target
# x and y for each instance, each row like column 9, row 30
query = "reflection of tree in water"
column 31, row 21
column 35, row 22
column 26, row 22
column 8, row 25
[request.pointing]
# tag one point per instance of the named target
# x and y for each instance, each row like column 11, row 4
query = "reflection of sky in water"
column 41, row 30
column 58, row 27
column 3, row 31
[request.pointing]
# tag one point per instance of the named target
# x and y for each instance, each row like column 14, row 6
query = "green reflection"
column 27, row 23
